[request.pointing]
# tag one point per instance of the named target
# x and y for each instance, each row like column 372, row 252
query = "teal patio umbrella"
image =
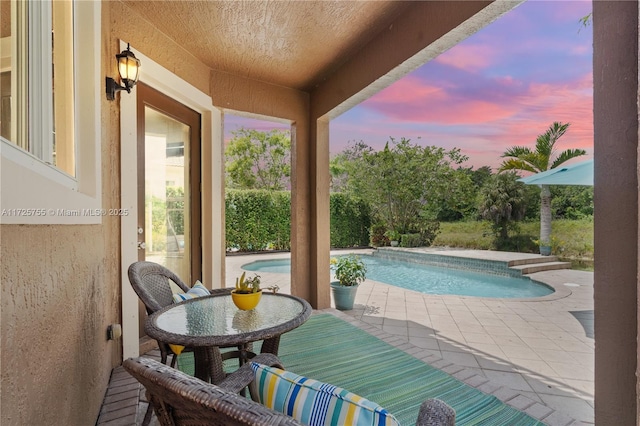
column 571, row 174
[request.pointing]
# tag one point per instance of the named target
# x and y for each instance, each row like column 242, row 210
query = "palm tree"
column 502, row 202
column 540, row 160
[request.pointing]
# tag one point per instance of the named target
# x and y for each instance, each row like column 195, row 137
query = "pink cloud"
column 412, row 100
column 579, row 50
column 564, row 11
column 482, row 129
column 499, row 89
column 468, row 57
column 409, row 89
column 571, row 102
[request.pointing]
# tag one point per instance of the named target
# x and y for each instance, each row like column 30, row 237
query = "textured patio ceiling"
column 294, row 44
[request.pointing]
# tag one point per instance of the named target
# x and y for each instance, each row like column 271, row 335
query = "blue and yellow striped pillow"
column 315, row 403
column 197, row 290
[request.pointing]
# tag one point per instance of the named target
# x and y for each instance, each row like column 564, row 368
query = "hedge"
column 259, row 220
column 350, row 221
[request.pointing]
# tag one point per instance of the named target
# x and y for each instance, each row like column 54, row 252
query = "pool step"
column 531, row 268
column 532, row 259
column 501, row 263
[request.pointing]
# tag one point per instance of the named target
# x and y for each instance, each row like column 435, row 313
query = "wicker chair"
column 151, row 283
column 179, row 399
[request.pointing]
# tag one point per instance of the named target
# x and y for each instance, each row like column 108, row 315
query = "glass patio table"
column 209, row 323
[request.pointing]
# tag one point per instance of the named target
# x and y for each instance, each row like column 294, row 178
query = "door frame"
column 169, row 107
column 149, row 98
column 212, row 188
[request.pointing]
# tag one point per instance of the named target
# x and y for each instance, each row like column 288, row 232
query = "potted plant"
column 349, row 271
column 247, row 293
column 393, row 236
column 545, row 247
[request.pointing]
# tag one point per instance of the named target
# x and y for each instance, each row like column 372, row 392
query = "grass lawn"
column 571, row 239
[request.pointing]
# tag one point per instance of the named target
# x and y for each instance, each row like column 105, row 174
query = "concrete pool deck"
column 535, row 354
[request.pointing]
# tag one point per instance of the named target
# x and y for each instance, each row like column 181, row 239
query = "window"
column 50, row 110
column 37, row 81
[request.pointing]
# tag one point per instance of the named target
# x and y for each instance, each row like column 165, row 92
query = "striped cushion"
column 197, row 290
column 315, row 403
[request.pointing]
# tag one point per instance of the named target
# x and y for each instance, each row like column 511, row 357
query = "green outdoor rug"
column 328, row 349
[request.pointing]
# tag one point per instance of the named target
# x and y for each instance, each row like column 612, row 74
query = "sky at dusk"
column 500, row 87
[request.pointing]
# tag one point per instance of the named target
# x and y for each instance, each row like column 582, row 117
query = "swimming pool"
column 430, row 279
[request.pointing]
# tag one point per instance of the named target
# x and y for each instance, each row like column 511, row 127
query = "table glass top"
column 218, row 316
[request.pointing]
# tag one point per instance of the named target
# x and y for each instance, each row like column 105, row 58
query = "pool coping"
column 506, row 259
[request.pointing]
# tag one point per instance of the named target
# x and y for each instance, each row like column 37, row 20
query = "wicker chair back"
column 179, row 399
column 151, row 283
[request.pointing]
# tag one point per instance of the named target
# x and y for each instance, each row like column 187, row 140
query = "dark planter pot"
column 545, row 250
column 343, row 295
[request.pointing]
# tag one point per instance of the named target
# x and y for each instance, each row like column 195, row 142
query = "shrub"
column 518, row 243
column 392, row 235
column 411, row 240
column 377, row 235
column 428, row 233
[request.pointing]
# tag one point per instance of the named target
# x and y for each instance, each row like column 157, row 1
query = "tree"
column 175, row 209
column 502, row 201
column 540, row 160
column 258, row 160
column 461, row 202
column 480, row 176
column 572, row 201
column 404, row 183
column 339, row 165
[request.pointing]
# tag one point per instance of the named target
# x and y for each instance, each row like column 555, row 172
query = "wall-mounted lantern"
column 129, row 70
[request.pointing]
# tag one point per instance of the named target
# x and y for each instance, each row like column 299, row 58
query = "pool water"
column 430, row 279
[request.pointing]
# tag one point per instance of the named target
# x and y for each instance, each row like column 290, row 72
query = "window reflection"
column 167, row 197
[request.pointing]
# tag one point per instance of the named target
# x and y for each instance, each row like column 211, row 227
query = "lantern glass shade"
column 128, row 68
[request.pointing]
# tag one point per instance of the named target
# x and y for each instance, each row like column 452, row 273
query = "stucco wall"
column 120, row 22
column 615, row 99
column 61, row 284
column 59, row 293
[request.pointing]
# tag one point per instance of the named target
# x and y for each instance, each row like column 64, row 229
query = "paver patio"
column 535, row 354
column 541, row 348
